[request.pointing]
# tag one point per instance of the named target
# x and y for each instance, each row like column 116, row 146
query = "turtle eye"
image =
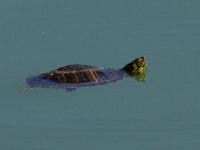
column 139, row 63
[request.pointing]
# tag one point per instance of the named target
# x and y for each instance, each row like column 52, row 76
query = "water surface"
column 162, row 113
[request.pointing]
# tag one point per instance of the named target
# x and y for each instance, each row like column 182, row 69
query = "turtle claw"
column 27, row 89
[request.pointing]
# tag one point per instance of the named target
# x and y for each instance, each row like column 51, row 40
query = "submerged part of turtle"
column 71, row 77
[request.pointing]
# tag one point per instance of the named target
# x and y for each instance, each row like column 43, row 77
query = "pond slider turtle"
column 71, row 77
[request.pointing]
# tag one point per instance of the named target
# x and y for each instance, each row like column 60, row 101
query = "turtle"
column 74, row 76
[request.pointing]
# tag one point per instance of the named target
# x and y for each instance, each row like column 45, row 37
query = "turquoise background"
column 161, row 114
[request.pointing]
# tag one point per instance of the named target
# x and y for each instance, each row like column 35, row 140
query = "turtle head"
column 137, row 68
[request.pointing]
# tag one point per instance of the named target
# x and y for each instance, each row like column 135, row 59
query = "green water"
column 162, row 114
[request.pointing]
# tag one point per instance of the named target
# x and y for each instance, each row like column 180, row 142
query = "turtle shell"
column 73, row 76
column 77, row 74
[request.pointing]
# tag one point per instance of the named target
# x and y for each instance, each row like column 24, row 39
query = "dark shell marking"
column 76, row 74
column 73, row 76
